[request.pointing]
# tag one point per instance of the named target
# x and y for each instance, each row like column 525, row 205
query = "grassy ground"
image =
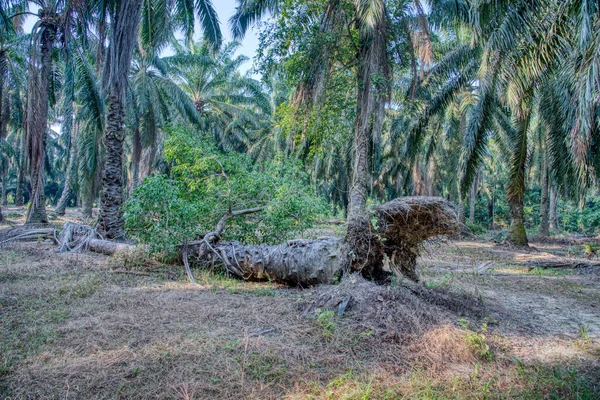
column 90, row 326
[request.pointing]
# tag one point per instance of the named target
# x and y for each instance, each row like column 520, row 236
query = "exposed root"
column 76, row 237
column 406, row 222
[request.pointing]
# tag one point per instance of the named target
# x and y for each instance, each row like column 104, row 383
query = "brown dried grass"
column 442, row 346
column 72, row 327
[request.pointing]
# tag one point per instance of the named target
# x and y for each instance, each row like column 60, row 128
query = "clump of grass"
column 444, row 282
column 81, row 289
column 135, row 259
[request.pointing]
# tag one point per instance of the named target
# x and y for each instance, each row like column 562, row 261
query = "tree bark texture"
column 122, row 44
column 136, row 156
column 70, row 176
column 110, row 222
column 37, row 117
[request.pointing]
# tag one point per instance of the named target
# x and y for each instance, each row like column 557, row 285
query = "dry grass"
column 88, row 326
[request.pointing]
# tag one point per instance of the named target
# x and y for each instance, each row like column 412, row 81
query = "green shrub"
column 205, row 184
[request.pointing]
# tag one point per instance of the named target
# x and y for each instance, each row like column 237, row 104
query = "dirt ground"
column 481, row 325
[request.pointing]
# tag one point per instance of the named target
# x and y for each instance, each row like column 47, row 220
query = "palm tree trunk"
column 4, row 115
column 417, row 181
column 491, row 206
column 4, row 200
column 19, row 195
column 136, row 156
column 70, row 175
column 361, row 250
column 122, row 44
column 37, row 121
column 110, row 222
column 88, row 202
column 544, row 205
column 553, row 203
column 517, row 236
column 148, row 161
column 472, row 199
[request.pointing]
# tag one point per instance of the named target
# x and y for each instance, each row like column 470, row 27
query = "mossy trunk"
column 517, row 235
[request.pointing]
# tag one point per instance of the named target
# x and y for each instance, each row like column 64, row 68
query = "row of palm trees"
column 441, row 95
column 531, row 75
column 95, row 69
column 378, row 98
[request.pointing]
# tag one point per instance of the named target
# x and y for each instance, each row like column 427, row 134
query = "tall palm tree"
column 124, row 34
column 126, row 17
column 371, row 22
column 39, row 73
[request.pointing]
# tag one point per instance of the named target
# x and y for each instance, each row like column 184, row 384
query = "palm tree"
column 227, row 104
column 39, row 73
column 125, row 19
column 524, row 53
column 371, row 21
column 156, row 100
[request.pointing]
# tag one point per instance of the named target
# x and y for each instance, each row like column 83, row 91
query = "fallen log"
column 570, row 264
column 402, row 225
column 108, row 247
column 296, row 263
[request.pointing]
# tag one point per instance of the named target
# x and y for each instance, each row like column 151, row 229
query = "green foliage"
column 477, row 340
column 325, row 320
column 205, row 184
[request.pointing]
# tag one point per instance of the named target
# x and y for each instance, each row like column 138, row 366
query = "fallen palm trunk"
column 107, row 247
column 402, row 225
column 296, row 263
column 25, row 232
column 570, row 264
column 77, row 237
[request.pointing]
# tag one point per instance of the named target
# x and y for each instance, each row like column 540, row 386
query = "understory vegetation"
column 204, row 184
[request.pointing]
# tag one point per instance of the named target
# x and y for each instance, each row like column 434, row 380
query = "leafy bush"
column 204, row 184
